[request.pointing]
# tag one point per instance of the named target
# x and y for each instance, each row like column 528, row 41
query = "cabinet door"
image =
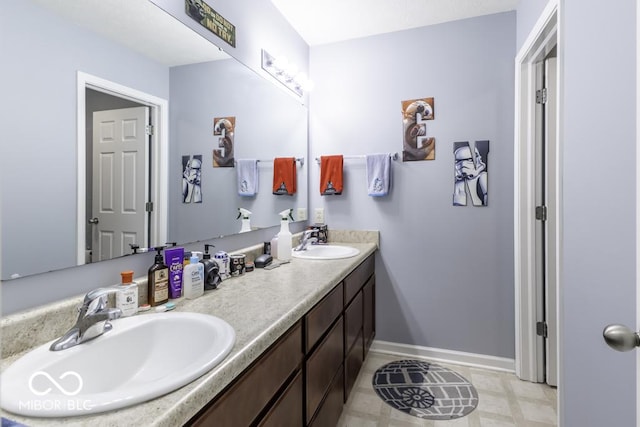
column 331, row 408
column 353, row 322
column 369, row 308
column 287, row 411
column 322, row 366
column 352, row 364
column 241, row 404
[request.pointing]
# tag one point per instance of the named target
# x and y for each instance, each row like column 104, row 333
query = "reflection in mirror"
column 53, row 62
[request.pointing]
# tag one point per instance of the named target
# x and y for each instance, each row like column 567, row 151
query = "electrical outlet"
column 301, row 214
column 318, row 215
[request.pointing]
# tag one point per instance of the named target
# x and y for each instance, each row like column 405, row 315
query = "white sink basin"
column 326, row 252
column 141, row 358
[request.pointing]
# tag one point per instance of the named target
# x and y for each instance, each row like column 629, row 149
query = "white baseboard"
column 445, row 356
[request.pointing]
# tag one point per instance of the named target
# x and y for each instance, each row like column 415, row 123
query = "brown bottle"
column 158, row 280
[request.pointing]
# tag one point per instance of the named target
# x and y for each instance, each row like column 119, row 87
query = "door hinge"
column 541, row 329
column 149, row 130
column 148, row 207
column 541, row 96
column 541, row 213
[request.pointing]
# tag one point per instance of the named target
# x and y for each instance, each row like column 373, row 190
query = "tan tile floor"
column 504, row 401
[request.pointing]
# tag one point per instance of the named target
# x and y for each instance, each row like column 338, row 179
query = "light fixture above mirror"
column 286, row 73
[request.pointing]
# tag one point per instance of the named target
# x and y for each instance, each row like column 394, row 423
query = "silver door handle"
column 94, row 221
column 621, row 338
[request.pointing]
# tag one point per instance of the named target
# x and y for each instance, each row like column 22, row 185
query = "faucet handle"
column 96, row 300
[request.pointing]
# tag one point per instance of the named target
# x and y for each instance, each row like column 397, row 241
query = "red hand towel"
column 331, row 175
column 284, row 175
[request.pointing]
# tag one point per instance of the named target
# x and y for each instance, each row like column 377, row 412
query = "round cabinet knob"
column 621, row 338
column 94, row 220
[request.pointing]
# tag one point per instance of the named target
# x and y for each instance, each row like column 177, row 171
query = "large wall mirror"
column 78, row 75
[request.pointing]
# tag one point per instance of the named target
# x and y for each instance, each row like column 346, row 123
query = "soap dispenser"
column 158, row 280
column 284, row 236
column 246, row 219
column 193, row 278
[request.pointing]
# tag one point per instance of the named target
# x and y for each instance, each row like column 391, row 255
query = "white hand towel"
column 247, row 170
column 378, row 174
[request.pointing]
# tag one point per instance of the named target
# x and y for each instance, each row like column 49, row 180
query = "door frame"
column 545, row 34
column 159, row 159
column 637, row 325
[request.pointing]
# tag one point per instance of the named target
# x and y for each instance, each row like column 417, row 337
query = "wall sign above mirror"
column 43, row 219
column 206, row 16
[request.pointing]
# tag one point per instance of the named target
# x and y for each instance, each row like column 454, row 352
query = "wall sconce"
column 285, row 73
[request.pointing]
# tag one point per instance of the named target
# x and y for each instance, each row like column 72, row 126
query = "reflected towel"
column 284, row 176
column 378, row 174
column 247, row 170
column 331, row 179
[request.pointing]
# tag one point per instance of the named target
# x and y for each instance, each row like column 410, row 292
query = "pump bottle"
column 158, row 280
column 284, row 236
column 193, row 279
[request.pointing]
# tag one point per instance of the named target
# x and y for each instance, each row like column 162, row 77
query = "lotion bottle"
column 127, row 298
column 193, row 279
column 284, row 236
column 158, row 280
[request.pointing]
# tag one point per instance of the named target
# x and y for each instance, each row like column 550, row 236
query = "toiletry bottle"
column 127, row 298
column 193, row 279
column 246, row 219
column 158, row 280
column 274, row 247
column 284, row 236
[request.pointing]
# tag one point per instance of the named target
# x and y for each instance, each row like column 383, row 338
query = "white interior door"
column 120, row 181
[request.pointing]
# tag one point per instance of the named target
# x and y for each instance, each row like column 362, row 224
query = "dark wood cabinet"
column 304, row 378
column 243, row 402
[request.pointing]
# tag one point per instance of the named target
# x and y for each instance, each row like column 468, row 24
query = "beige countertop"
column 260, row 306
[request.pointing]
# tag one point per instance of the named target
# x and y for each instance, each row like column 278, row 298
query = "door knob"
column 621, row 338
column 93, row 221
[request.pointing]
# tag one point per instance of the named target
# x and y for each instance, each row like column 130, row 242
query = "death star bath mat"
column 425, row 390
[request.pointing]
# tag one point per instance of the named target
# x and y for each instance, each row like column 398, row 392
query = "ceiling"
column 328, row 21
column 141, row 26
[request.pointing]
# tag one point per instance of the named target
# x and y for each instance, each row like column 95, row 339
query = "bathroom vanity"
column 302, row 332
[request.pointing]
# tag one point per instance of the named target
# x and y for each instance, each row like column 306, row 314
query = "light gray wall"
column 599, row 230
column 444, row 273
column 262, row 132
column 38, row 110
column 255, row 21
column 528, row 13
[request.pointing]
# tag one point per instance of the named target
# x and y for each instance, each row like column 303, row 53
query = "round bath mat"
column 425, row 390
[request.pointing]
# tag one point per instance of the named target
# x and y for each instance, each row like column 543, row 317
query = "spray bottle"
column 246, row 219
column 284, row 236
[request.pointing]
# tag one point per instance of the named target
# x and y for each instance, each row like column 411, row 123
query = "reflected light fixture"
column 286, row 73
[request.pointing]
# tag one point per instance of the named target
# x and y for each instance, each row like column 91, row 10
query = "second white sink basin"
column 326, row 252
column 141, row 358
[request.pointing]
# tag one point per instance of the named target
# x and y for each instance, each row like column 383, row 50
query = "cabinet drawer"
column 322, row 366
column 287, row 411
column 249, row 395
column 318, row 320
column 354, row 281
column 352, row 364
column 353, row 322
column 369, row 319
column 331, row 408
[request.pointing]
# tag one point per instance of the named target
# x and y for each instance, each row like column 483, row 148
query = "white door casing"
column 159, row 157
column 120, row 181
column 544, row 36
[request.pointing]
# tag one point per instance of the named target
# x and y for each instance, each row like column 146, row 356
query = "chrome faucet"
column 93, row 319
column 305, row 240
